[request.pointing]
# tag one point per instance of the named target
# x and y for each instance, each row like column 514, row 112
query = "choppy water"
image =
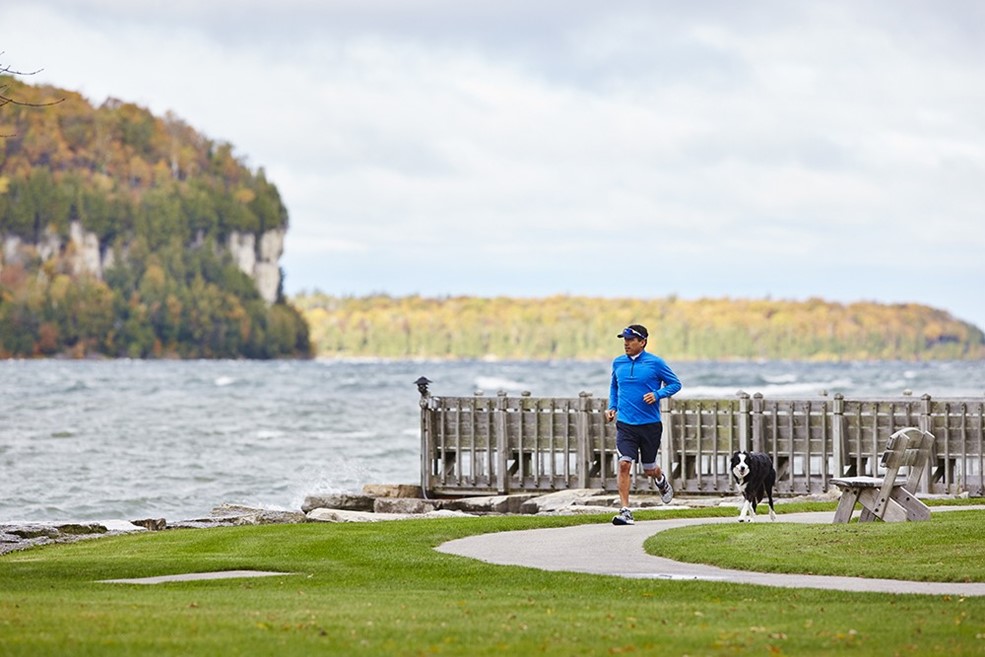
column 129, row 439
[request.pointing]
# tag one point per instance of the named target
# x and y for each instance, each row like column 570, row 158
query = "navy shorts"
column 639, row 442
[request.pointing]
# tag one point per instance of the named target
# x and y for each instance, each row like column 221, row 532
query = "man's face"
column 633, row 346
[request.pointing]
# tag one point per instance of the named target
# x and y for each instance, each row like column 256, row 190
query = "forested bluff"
column 123, row 234
column 573, row 327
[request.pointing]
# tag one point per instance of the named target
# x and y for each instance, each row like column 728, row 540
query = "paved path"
column 605, row 549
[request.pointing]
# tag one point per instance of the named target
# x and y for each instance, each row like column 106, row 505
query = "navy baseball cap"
column 634, row 331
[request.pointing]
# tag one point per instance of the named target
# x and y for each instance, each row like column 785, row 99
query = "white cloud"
column 792, row 148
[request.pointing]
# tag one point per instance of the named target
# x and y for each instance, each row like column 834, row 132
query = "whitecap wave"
column 780, row 378
column 809, row 388
column 495, row 383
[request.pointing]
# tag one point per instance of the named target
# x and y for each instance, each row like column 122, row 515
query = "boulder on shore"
column 561, row 500
column 340, row 515
column 490, row 504
column 393, row 490
column 404, row 505
column 20, row 536
column 237, row 514
column 344, row 501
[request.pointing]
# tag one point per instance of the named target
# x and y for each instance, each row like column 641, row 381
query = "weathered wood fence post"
column 427, row 441
column 839, row 445
column 583, row 438
column 926, row 424
column 502, row 444
column 758, row 437
column 745, row 426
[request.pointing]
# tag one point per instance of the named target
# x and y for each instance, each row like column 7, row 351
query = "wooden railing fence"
column 482, row 445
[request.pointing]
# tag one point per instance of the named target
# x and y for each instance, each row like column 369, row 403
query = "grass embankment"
column 380, row 589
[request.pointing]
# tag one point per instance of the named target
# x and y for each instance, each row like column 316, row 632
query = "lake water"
column 96, row 440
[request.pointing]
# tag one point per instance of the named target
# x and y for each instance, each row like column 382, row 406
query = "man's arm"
column 610, row 413
column 671, row 384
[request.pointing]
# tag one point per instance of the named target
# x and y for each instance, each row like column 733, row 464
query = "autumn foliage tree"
column 162, row 201
column 571, row 327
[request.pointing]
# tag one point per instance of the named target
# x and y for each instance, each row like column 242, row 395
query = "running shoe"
column 666, row 491
column 624, row 517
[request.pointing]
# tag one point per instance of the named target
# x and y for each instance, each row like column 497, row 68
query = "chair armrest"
column 858, row 482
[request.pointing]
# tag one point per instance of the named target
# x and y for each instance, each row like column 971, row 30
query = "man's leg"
column 649, row 451
column 662, row 483
column 623, row 479
column 625, row 516
column 627, row 446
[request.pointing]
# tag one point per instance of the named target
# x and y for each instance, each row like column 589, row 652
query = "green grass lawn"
column 951, row 548
column 380, row 589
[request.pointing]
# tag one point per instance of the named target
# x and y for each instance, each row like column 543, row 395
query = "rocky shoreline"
column 376, row 503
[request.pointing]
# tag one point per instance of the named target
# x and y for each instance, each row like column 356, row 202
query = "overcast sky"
column 705, row 149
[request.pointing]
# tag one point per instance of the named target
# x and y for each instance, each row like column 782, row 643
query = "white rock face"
column 11, row 244
column 51, row 245
column 109, row 260
column 266, row 272
column 87, row 258
column 243, row 248
column 267, row 278
column 272, row 245
column 260, row 261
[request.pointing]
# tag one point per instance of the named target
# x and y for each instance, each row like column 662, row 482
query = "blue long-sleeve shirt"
column 633, row 378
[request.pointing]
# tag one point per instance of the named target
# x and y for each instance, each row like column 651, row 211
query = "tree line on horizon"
column 575, row 327
column 162, row 199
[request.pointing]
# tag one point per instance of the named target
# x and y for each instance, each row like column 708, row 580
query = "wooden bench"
column 891, row 498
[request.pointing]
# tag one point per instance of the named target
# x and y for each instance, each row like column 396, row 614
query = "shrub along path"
column 606, row 549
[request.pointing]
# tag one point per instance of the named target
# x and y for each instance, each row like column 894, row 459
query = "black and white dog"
column 755, row 476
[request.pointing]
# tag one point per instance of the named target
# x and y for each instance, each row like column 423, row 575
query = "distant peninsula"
column 576, row 327
column 124, row 234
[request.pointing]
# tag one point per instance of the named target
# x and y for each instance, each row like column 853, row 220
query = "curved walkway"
column 605, row 549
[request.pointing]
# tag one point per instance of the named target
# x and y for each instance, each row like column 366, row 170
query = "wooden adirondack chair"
column 891, row 498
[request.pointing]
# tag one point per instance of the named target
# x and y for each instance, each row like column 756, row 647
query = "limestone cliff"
column 260, row 260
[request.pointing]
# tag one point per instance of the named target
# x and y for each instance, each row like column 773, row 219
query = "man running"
column 639, row 381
